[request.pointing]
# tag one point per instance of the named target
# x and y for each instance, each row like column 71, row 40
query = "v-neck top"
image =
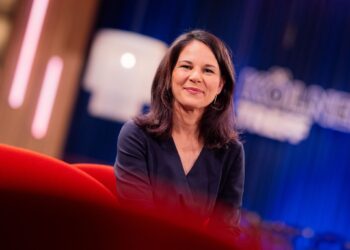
column 149, row 172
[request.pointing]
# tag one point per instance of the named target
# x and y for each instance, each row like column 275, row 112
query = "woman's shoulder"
column 130, row 130
column 237, row 144
column 130, row 126
column 234, row 145
column 233, row 149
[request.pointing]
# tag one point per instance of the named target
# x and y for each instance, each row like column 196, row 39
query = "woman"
column 184, row 153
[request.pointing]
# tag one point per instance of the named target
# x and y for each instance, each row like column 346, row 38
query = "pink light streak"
column 27, row 53
column 47, row 97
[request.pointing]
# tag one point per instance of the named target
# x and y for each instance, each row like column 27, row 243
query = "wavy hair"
column 217, row 125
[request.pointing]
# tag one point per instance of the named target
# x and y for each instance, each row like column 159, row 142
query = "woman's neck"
column 186, row 122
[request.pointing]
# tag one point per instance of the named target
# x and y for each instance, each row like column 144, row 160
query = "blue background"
column 304, row 185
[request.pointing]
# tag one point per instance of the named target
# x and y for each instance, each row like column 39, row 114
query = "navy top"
column 149, row 171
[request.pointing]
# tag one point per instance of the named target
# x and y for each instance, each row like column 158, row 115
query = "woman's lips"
column 193, row 90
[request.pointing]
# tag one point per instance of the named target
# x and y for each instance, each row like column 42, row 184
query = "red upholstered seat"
column 102, row 173
column 45, row 201
column 27, row 171
column 48, row 204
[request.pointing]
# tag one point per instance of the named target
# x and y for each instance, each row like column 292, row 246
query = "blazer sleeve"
column 228, row 206
column 133, row 181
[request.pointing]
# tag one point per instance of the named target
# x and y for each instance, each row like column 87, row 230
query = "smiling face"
column 196, row 77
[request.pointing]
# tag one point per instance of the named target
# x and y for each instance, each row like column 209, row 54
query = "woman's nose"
column 195, row 76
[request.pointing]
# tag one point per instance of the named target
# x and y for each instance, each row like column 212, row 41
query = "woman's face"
column 196, row 77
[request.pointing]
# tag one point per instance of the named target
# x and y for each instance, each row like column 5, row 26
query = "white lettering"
column 274, row 105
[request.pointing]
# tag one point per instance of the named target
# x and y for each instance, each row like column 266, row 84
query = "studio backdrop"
column 292, row 95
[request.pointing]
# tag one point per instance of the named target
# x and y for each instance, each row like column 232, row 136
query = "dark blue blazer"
column 149, row 172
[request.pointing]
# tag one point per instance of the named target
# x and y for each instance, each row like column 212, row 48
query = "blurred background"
column 72, row 72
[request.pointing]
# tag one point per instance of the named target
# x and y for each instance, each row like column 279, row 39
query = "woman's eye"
column 208, row 71
column 185, row 66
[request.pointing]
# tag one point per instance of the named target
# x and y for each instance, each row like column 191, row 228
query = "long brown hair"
column 217, row 125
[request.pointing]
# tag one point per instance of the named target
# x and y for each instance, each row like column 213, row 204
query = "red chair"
column 102, row 173
column 47, row 204
column 27, row 171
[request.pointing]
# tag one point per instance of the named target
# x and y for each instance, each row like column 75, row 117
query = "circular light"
column 128, row 60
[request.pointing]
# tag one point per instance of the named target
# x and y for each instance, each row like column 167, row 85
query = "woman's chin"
column 192, row 106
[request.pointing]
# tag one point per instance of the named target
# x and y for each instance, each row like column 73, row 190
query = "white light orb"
column 128, row 60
